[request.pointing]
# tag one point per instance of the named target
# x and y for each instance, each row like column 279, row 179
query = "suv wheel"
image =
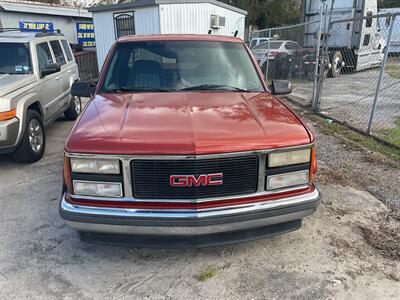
column 33, row 143
column 74, row 109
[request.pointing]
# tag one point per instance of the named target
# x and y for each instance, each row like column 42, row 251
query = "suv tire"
column 33, row 143
column 74, row 109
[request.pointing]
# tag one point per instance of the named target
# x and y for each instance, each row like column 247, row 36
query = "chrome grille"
column 151, row 178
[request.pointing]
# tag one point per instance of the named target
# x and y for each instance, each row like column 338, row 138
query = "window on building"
column 44, row 55
column 124, row 24
column 367, row 38
column 368, row 20
column 221, row 21
column 214, row 22
column 67, row 49
column 59, row 55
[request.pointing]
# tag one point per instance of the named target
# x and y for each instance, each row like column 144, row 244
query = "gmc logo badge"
column 192, row 180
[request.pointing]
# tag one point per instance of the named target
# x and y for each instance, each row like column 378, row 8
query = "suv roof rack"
column 43, row 33
column 47, row 33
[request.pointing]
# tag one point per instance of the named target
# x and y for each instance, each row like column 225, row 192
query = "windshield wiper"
column 124, row 89
column 212, row 87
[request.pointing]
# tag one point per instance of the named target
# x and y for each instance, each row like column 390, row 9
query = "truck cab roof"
column 180, row 37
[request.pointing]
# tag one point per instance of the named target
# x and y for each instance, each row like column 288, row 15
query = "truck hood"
column 185, row 123
column 11, row 82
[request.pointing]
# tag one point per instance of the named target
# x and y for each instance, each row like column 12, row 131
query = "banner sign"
column 27, row 26
column 85, row 32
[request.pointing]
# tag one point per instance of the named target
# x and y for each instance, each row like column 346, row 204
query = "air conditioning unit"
column 214, row 22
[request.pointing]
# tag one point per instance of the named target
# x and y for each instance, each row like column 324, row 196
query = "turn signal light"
column 7, row 115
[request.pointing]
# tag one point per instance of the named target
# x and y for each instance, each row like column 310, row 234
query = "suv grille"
column 150, row 178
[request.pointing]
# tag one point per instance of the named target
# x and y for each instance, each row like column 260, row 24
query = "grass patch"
column 206, row 273
column 392, row 135
column 356, row 139
column 393, row 71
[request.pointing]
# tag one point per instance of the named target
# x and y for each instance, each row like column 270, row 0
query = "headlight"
column 89, row 165
column 286, row 180
column 289, row 158
column 100, row 189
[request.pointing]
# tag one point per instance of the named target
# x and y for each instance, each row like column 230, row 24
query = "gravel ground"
column 349, row 98
column 348, row 249
column 342, row 163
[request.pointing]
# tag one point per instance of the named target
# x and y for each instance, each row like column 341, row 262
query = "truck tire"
column 33, row 142
column 74, row 109
column 336, row 61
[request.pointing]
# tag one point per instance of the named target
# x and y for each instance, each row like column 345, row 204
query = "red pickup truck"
column 184, row 144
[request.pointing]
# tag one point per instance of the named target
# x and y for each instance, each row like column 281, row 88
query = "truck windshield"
column 181, row 66
column 14, row 58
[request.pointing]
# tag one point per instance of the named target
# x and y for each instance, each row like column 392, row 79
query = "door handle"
column 58, row 78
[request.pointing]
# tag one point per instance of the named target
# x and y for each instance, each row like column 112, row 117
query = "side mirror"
column 281, row 87
column 82, row 89
column 50, row 69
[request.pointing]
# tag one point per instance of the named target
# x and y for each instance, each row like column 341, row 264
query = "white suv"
column 36, row 74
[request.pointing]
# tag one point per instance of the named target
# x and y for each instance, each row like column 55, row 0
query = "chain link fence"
column 345, row 69
column 289, row 53
column 361, row 83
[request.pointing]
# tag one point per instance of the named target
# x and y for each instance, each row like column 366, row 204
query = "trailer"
column 394, row 46
column 354, row 44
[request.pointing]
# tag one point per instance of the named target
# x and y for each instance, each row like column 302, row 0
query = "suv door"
column 63, row 79
column 48, row 85
column 70, row 70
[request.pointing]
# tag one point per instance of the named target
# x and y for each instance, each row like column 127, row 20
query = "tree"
column 269, row 13
column 388, row 3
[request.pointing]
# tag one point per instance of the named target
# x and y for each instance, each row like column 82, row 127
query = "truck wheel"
column 74, row 109
column 33, row 143
column 336, row 64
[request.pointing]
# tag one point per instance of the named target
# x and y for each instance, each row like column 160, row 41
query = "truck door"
column 369, row 53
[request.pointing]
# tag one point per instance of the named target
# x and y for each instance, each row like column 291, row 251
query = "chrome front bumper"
column 187, row 222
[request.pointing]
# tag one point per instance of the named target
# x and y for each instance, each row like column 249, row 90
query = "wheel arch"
column 29, row 101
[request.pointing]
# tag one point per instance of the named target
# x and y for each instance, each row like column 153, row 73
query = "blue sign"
column 27, row 26
column 85, row 32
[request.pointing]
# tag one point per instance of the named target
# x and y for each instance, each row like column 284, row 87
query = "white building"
column 164, row 17
column 32, row 16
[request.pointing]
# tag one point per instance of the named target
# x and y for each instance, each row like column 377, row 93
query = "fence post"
column 382, row 72
column 324, row 46
column 317, row 54
column 269, row 45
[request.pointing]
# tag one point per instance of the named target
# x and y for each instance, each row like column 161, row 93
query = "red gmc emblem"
column 191, row 180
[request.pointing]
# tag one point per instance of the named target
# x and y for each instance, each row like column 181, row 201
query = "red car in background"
column 184, row 144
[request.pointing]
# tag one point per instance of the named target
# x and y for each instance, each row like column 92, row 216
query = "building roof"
column 143, row 3
column 43, row 9
column 180, row 37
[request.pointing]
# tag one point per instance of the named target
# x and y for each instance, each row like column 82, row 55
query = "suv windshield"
column 14, row 58
column 181, row 65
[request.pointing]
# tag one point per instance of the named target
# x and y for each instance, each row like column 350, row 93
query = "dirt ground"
column 349, row 249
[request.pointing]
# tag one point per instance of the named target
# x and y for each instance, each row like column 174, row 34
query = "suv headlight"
column 95, row 166
column 287, row 158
